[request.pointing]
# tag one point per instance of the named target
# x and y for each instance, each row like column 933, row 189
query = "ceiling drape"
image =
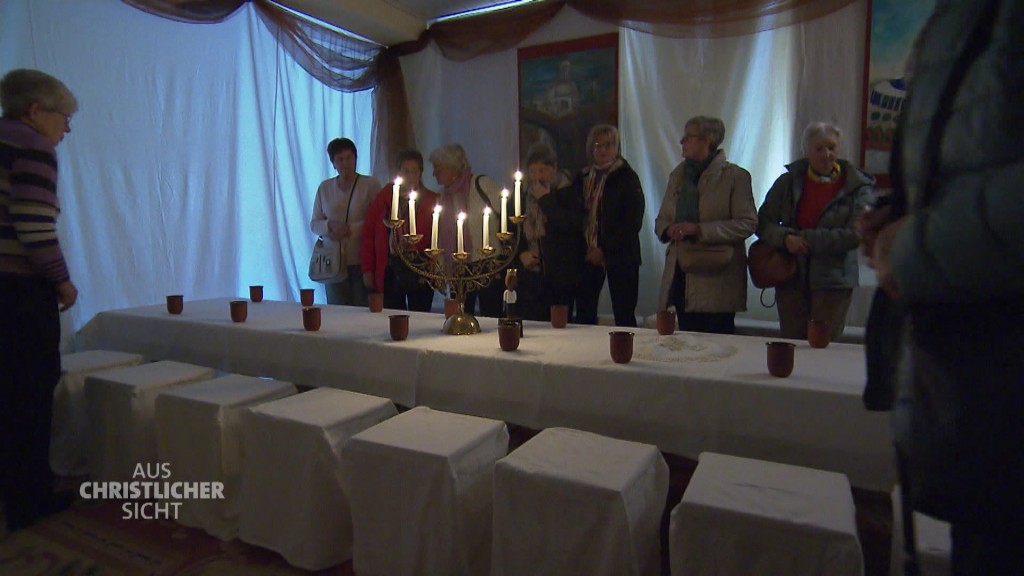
column 349, row 64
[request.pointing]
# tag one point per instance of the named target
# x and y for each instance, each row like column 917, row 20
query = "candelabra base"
column 460, row 324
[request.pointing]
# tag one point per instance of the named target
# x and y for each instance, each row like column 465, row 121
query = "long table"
column 685, row 393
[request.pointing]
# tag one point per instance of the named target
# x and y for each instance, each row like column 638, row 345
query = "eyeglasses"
column 606, row 145
column 67, row 117
column 692, row 137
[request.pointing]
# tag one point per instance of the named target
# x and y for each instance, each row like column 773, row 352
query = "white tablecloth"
column 121, row 406
column 69, row 442
column 571, row 502
column 293, row 501
column 199, row 436
column 742, row 517
column 421, row 490
column 684, row 393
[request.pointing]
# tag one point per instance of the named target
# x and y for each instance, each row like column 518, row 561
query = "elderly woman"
column 338, row 213
column 551, row 247
column 810, row 212
column 384, row 271
column 34, row 286
column 468, row 193
column 613, row 213
column 707, row 214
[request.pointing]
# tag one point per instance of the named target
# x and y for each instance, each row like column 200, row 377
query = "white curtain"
column 766, row 87
column 194, row 158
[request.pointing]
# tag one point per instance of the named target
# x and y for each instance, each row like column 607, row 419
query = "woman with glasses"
column 613, row 213
column 34, row 287
column 707, row 214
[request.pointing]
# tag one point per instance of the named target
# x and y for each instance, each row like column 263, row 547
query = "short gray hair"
column 602, row 130
column 21, row 88
column 817, row 130
column 452, row 156
column 542, row 153
column 710, row 129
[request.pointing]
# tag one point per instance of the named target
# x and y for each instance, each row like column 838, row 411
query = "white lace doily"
column 681, row 348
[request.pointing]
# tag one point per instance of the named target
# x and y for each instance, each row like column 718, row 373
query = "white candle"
column 412, row 213
column 394, row 197
column 519, row 184
column 487, row 227
column 462, row 218
column 433, row 227
column 504, row 211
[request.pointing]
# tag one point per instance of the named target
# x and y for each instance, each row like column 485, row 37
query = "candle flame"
column 398, row 180
column 412, row 195
column 519, row 175
column 462, row 215
column 504, row 193
column 487, row 210
column 437, row 209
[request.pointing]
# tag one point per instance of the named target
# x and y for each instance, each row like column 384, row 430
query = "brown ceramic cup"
column 666, row 322
column 819, row 333
column 398, row 326
column 239, row 310
column 175, row 304
column 451, row 306
column 780, row 358
column 375, row 300
column 306, row 296
column 559, row 315
column 508, row 335
column 621, row 346
column 256, row 293
column 311, row 318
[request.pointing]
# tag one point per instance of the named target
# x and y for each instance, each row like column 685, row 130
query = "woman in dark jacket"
column 551, row 248
column 613, row 213
column 810, row 212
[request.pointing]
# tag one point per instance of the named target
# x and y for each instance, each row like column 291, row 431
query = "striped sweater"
column 28, row 204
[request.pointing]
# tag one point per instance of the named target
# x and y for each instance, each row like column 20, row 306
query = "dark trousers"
column 29, row 371
column 709, row 322
column 404, row 291
column 491, row 299
column 623, row 287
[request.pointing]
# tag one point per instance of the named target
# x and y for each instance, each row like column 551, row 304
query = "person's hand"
column 796, row 245
column 338, row 230
column 682, row 230
column 880, row 261
column 529, row 259
column 540, row 189
column 368, row 280
column 869, row 224
column 67, row 295
column 595, row 256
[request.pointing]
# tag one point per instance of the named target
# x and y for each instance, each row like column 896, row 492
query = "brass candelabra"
column 461, row 275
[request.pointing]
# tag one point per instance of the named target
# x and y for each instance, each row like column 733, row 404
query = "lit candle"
column 519, row 184
column 504, row 210
column 433, row 227
column 412, row 213
column 394, row 197
column 462, row 218
column 487, row 226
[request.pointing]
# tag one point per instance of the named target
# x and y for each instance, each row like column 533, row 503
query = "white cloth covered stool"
column 933, row 542
column 575, row 503
column 293, row 501
column 420, row 485
column 744, row 517
column 199, row 437
column 121, row 405
column 69, row 445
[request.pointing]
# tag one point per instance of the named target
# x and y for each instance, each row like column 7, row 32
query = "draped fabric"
column 346, row 63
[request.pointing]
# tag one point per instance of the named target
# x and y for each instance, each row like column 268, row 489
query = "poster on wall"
column 893, row 27
column 565, row 88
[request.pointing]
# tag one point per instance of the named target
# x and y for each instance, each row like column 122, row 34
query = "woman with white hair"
column 466, row 192
column 707, row 214
column 34, row 287
column 810, row 212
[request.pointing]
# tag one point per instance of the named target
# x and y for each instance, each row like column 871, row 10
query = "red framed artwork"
column 565, row 88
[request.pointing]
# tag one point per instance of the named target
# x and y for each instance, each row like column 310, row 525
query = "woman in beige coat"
column 707, row 213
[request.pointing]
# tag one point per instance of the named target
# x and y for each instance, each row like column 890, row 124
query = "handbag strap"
column 351, row 193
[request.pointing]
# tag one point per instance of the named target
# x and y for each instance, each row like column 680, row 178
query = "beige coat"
column 727, row 217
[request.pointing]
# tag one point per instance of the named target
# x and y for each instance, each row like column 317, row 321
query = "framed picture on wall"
column 565, row 88
column 892, row 28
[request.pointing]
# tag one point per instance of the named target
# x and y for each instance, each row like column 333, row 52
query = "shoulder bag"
column 327, row 263
column 768, row 265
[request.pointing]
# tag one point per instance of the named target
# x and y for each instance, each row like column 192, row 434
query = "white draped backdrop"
column 193, row 161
